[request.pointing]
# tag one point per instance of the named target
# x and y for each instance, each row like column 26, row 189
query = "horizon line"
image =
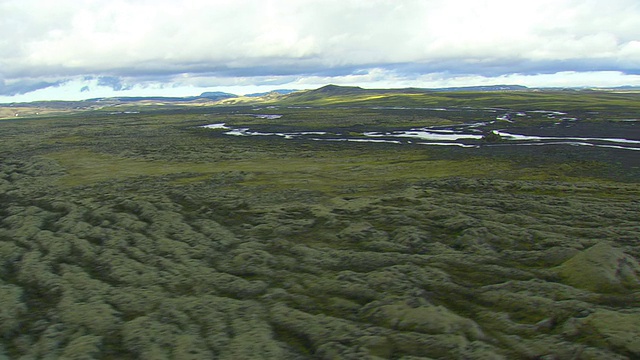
column 257, row 94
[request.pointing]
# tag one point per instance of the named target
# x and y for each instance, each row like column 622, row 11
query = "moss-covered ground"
column 144, row 236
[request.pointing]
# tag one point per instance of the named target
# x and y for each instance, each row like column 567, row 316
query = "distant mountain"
column 130, row 99
column 626, row 87
column 484, row 88
column 338, row 90
column 335, row 95
column 331, row 90
column 325, row 92
column 326, row 95
column 278, row 91
column 217, row 95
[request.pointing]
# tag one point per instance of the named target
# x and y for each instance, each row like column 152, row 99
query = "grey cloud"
column 502, row 66
column 113, row 82
column 136, row 42
column 26, row 86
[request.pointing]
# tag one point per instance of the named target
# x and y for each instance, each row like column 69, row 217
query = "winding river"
column 463, row 135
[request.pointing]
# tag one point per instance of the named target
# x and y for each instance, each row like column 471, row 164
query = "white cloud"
column 213, row 42
column 188, row 85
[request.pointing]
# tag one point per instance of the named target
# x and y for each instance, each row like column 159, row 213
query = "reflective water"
column 462, row 135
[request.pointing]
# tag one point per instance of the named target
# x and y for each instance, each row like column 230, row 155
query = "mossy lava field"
column 468, row 226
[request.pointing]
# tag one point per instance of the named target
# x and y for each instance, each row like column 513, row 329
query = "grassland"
column 145, row 236
column 580, row 101
column 13, row 112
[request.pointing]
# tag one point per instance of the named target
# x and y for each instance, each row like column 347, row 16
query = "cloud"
column 25, row 86
column 140, row 42
column 113, row 82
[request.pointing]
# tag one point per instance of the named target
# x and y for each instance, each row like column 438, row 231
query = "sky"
column 71, row 49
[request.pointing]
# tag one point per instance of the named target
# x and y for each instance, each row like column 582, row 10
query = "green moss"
column 328, row 175
column 142, row 235
column 601, row 268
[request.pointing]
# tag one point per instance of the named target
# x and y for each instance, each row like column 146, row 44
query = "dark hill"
column 217, row 95
column 336, row 90
column 345, row 92
column 324, row 92
column 330, row 90
column 273, row 92
column 484, row 88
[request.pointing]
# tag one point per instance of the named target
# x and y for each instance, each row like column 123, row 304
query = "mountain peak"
column 337, row 89
column 217, row 95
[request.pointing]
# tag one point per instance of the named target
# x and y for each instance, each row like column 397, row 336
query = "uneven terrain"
column 142, row 235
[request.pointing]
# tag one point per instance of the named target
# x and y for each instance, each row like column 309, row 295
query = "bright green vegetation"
column 580, row 101
column 326, row 174
column 142, row 236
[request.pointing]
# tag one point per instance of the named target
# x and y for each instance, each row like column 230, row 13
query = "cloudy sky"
column 71, row 49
